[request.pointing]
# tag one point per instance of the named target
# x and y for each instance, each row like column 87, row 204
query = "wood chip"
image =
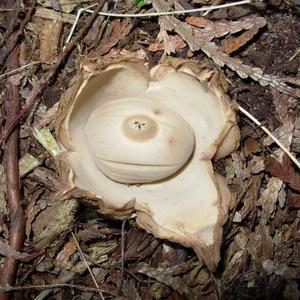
column 50, row 40
column 53, row 15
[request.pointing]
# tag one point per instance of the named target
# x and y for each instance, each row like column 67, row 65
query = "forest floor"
column 260, row 254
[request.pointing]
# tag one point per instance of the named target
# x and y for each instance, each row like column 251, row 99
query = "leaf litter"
column 260, row 251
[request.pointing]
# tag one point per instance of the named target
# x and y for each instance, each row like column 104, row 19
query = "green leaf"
column 139, row 3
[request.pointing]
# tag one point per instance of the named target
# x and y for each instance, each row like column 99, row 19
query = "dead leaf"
column 119, row 30
column 235, row 169
column 269, row 198
column 62, row 259
column 284, row 134
column 175, row 42
column 232, row 44
column 256, row 164
column 293, row 200
column 260, row 245
column 282, row 105
column 175, row 282
column 283, row 170
column 250, row 198
column 46, row 177
column 210, row 30
column 250, row 146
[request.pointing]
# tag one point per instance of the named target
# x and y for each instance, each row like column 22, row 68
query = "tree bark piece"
column 16, row 233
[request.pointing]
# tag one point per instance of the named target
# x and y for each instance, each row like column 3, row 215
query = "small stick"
column 175, row 12
column 8, row 288
column 80, row 11
column 269, row 133
column 16, row 231
column 87, row 265
column 122, row 252
column 12, row 72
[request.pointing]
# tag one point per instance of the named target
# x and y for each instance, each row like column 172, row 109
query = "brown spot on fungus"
column 157, row 111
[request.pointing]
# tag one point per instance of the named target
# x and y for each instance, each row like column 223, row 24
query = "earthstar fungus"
column 143, row 140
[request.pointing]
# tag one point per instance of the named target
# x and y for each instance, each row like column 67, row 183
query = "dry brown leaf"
column 210, row 30
column 250, row 146
column 43, row 116
column 293, row 200
column 234, row 267
column 177, row 283
column 256, row 164
column 232, row 44
column 197, row 42
column 269, row 198
column 119, row 30
column 260, row 245
column 175, row 42
column 62, row 259
column 164, row 38
column 249, row 199
column 282, row 104
column 235, row 169
column 284, row 134
column 283, row 170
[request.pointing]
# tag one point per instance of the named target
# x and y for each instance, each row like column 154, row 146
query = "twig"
column 43, row 83
column 80, row 11
column 19, row 69
column 122, row 252
column 269, row 133
column 16, row 232
column 154, row 14
column 175, row 12
column 87, row 265
column 8, row 288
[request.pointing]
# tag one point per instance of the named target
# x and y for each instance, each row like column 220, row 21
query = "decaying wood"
column 53, row 15
column 50, row 40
